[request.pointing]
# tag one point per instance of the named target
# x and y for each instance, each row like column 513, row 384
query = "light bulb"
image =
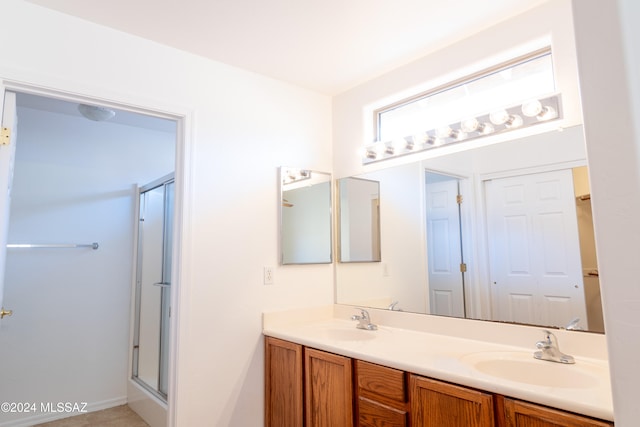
column 458, row 135
column 485, row 128
column 547, row 113
column 371, row 154
column 420, row 138
column 444, row 132
column 380, row 148
column 499, row 117
column 514, row 121
column 532, row 108
column 469, row 125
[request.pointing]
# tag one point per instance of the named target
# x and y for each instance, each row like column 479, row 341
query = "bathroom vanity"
column 321, row 370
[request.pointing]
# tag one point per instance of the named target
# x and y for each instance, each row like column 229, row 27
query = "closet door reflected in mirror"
column 305, row 216
column 153, row 286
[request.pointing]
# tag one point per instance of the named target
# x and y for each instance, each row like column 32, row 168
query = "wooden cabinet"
column 439, row 404
column 283, row 384
column 524, row 414
column 328, row 389
column 381, row 396
column 313, row 388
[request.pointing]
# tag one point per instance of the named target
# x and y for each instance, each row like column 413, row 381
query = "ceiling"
column 328, row 46
column 58, row 106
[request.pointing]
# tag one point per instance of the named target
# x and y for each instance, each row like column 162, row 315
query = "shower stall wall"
column 153, row 286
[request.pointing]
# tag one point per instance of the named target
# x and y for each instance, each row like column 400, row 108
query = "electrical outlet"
column 268, row 276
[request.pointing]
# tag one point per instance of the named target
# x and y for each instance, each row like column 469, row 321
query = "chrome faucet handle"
column 549, row 340
column 573, row 325
column 549, row 349
column 364, row 321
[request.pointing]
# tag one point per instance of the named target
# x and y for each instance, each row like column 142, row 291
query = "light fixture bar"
column 499, row 121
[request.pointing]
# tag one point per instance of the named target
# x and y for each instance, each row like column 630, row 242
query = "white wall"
column 241, row 127
column 609, row 63
column 73, row 183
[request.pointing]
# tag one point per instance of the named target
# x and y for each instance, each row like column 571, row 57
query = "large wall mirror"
column 305, row 216
column 501, row 232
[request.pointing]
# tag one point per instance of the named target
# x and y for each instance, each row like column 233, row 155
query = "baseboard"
column 29, row 421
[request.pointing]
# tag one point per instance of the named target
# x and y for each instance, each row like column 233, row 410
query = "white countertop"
column 413, row 348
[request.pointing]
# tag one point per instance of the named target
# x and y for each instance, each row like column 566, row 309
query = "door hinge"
column 459, row 199
column 463, row 267
column 5, row 136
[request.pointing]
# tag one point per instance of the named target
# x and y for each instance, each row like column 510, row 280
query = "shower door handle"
column 4, row 312
column 163, row 284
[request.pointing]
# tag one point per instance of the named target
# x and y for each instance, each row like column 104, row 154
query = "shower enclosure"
column 153, row 286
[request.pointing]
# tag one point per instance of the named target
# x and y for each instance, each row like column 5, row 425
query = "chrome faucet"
column 573, row 325
column 364, row 321
column 550, row 351
column 393, row 307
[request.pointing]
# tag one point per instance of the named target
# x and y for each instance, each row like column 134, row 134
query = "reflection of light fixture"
column 294, row 175
column 95, row 113
column 498, row 121
column 286, row 203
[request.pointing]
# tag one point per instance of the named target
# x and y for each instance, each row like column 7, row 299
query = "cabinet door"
column 328, row 389
column 438, row 404
column 283, row 383
column 523, row 414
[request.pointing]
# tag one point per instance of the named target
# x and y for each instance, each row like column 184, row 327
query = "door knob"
column 4, row 312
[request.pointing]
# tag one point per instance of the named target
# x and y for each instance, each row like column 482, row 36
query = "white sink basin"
column 521, row 367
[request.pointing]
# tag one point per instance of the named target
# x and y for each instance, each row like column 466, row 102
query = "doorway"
column 75, row 182
column 445, row 256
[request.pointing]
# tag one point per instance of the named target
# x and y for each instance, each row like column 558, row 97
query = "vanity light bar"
column 500, row 121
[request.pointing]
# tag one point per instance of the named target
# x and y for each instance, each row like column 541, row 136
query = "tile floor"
column 119, row 416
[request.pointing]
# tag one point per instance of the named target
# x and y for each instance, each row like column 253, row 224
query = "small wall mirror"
column 305, row 216
column 359, row 220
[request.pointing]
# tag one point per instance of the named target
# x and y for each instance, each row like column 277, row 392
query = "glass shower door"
column 153, row 287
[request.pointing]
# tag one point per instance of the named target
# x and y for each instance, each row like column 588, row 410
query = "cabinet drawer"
column 374, row 414
column 380, row 381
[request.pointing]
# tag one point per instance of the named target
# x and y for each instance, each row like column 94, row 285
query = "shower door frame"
column 161, row 389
